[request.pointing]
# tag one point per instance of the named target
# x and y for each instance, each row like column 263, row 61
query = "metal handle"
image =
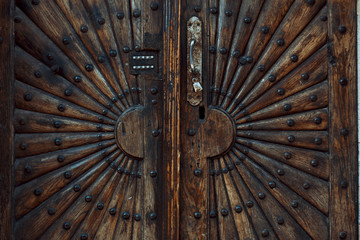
column 192, row 65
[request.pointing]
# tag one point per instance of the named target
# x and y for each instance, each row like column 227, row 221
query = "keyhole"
column 201, row 112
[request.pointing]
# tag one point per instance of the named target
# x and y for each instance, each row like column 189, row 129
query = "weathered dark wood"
column 343, row 106
column 6, row 118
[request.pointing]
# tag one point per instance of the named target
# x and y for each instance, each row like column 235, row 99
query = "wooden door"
column 178, row 119
column 269, row 145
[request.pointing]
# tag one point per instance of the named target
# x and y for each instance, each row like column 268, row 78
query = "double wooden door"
column 184, row 119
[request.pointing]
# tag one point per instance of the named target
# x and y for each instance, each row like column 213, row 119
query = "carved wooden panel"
column 87, row 128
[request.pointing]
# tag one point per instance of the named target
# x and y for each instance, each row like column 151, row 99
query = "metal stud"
column 37, row 74
column 137, row 217
column 294, row 58
column 287, row 107
column 294, row 204
column 280, row 220
column 153, row 174
column 342, row 29
column 101, row 59
column 153, row 216
column 265, row 30
column 212, row 49
column 238, row 209
column 236, row 54
column 213, row 10
column 84, row 236
column 247, row 20
column 317, row 120
column 112, row 211
column 342, row 235
column 242, row 60
column 35, row 2
column 23, row 146
column 261, row 68
column 223, row 50
column 51, row 211
column 58, row 141
column 197, row 215
column 101, row 20
column 66, row 41
column 197, row 172
column 76, row 187
column 50, row 57
column 126, row 215
column 305, row 76
column 197, row 8
column 77, row 78
column 136, row 13
column 27, row 169
column 38, row 191
column 310, row 2
column 314, row 163
column 154, row 6
column 67, row 174
column 126, row 49
column 66, row 225
column 228, row 13
column 120, row 15
column 88, row 198
column 343, row 81
column 318, row 141
column 313, row 98
column 291, row 138
column 68, row 92
column 344, row 184
column 272, row 184
column 281, row 172
column 287, row 155
column 344, row 132
column 261, row 195
column 113, row 53
column 61, row 158
column 249, row 204
column 104, row 112
column 323, row 18
column 224, row 212
column 249, row 59
column 89, row 67
column 281, row 91
column 155, row 132
column 154, row 90
column 27, row 97
column 280, row 42
column 84, row 28
column 272, row 78
column 17, row 19
column 265, row 233
column 212, row 214
column 306, row 185
column 120, row 170
column 225, row 170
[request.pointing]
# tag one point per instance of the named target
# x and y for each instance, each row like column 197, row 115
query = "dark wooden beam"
column 343, row 124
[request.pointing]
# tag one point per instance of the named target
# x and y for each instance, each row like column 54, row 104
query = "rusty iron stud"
column 51, row 211
column 84, row 29
column 35, row 2
column 126, row 92
column 153, row 174
column 84, row 236
column 120, row 15
column 314, row 163
column 76, row 187
column 89, row 67
column 317, row 120
column 112, row 53
column 126, row 215
column 114, row 99
column 153, row 216
column 137, row 217
column 154, row 90
column 261, row 68
column 223, row 92
column 306, row 185
column 224, row 212
column 272, row 184
column 113, row 165
column 342, row 29
column 294, row 204
column 154, row 101
column 343, row 81
column 112, row 211
column 291, row 138
column 318, row 141
column 197, row 172
column 242, row 60
column 281, row 91
column 344, row 132
column 261, row 195
column 249, row 204
column 27, row 97
column 281, row 172
column 133, row 89
column 101, row 59
column 77, row 78
column 213, row 10
column 61, row 158
column 57, row 124
column 99, row 127
column 104, row 112
column 37, row 74
column 310, row 2
column 247, row 20
column 272, row 78
column 294, row 58
column 154, row 6
column 212, row 172
column 68, row 92
column 313, row 98
column 228, row 13
column 238, row 209
column 136, row 13
column 223, row 50
column 342, row 235
column 58, row 141
column 287, row 107
column 17, row 19
column 197, row 215
column 67, row 174
column 212, row 49
column 231, row 166
column 265, row 233
column 66, row 225
column 197, row 8
column 23, row 146
column 265, row 30
column 212, row 214
column 280, row 42
column 236, row 54
column 305, row 76
column 280, row 220
column 38, row 191
column 155, row 132
column 323, row 18
column 100, row 145
column 88, row 198
column 50, row 57
column 344, row 184
column 249, row 59
column 27, row 169
column 101, row 20
column 225, row 170
column 127, row 172
column 288, row 155
column 66, row 41
column 120, row 170
column 218, row 172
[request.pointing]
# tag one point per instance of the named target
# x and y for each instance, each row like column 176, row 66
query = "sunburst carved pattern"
column 269, row 72
column 72, row 85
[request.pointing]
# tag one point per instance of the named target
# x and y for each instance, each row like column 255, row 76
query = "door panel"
column 88, row 119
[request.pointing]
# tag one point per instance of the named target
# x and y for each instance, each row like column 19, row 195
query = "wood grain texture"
column 6, row 117
column 343, row 105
